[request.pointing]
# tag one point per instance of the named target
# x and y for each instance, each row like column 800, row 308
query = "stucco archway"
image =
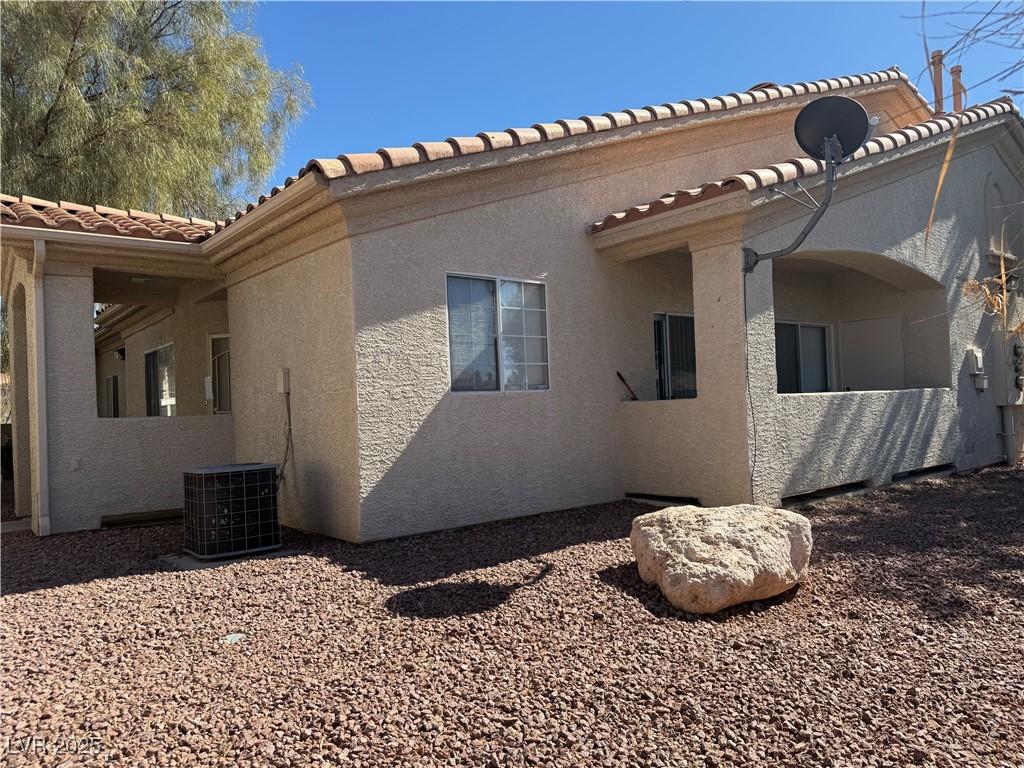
column 884, row 323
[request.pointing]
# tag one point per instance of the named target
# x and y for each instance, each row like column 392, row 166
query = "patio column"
column 40, row 445
column 734, row 322
column 20, row 404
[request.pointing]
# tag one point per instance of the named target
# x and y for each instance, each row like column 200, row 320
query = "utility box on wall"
column 1008, row 370
column 231, row 510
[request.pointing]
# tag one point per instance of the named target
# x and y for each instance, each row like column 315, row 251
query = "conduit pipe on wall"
column 1009, row 435
column 41, row 492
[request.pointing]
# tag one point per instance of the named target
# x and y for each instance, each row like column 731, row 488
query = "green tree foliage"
column 164, row 106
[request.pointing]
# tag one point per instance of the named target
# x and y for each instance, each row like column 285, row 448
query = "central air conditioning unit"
column 231, row 510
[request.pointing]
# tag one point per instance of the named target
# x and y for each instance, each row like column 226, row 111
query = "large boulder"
column 708, row 558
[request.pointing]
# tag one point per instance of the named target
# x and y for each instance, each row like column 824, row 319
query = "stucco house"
column 453, row 318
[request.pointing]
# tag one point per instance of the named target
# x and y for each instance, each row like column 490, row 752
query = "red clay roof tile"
column 524, row 136
column 30, row 211
column 435, row 150
column 467, row 145
column 801, row 167
column 100, row 218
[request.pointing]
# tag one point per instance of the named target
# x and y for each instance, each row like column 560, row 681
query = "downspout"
column 41, row 518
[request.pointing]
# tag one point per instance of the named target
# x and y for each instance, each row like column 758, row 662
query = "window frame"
column 209, row 368
column 664, row 382
column 111, row 399
column 498, row 332
column 829, row 352
column 145, row 354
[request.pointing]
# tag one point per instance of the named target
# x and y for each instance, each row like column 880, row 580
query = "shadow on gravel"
column 31, row 563
column 939, row 544
column 626, row 578
column 457, row 599
column 435, row 556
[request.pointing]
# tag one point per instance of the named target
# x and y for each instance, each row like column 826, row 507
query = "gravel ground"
column 527, row 642
column 7, row 501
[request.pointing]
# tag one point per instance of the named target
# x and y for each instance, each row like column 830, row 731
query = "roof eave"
column 675, row 229
column 912, row 139
column 349, row 185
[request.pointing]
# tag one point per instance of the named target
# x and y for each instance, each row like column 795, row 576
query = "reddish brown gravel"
column 527, row 642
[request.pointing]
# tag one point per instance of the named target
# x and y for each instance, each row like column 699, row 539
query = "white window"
column 497, row 334
column 801, row 357
column 160, row 388
column 220, row 373
column 111, row 397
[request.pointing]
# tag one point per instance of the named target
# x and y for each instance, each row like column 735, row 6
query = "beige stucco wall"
column 298, row 315
column 352, row 301
column 481, row 456
column 430, row 458
column 837, row 438
column 806, row 442
column 907, row 345
column 665, row 449
column 189, row 328
column 100, row 466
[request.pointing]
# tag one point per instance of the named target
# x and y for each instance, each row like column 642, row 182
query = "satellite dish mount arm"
column 833, row 153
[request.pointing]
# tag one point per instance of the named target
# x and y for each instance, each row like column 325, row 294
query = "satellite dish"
column 831, row 129
column 829, row 116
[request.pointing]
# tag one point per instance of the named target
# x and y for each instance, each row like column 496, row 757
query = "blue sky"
column 390, row 74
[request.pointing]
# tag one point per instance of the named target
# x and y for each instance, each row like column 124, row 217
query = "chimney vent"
column 939, row 107
column 959, row 92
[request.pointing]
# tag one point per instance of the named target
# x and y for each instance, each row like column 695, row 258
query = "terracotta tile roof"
column 488, row 141
column 32, row 212
column 28, row 211
column 800, row 167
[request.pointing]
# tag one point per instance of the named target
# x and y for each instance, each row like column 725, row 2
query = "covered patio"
column 85, row 444
column 828, row 368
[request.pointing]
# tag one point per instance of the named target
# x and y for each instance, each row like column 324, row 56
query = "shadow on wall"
column 477, row 457
column 941, row 545
column 851, row 437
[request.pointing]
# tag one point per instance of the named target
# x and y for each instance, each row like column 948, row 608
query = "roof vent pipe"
column 959, row 93
column 939, row 106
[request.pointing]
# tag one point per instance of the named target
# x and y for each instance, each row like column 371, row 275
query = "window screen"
column 111, row 398
column 676, row 357
column 813, row 359
column 472, row 334
column 220, row 373
column 477, row 333
column 524, row 336
column 661, row 356
column 801, row 358
column 787, row 357
column 160, row 387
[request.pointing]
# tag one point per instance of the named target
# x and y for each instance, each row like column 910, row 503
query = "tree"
column 163, row 106
column 997, row 24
